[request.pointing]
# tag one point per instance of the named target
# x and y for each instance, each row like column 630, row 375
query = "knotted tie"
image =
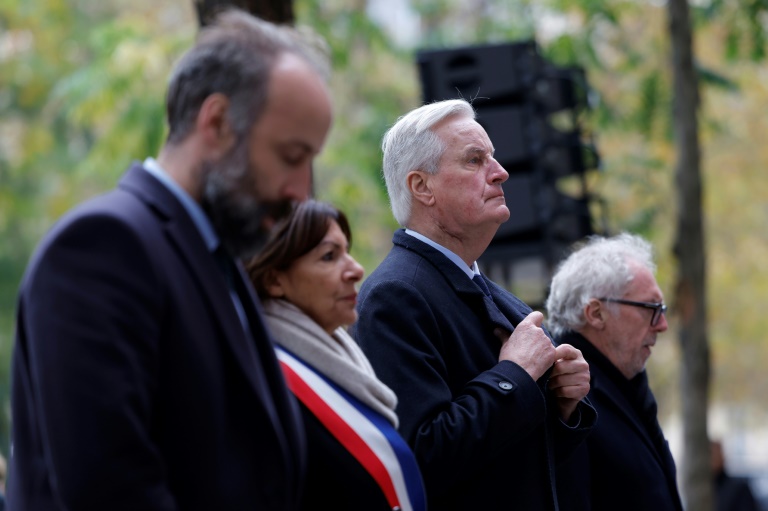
column 480, row 281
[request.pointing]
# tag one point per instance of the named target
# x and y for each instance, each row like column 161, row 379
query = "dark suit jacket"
column 625, row 463
column 483, row 431
column 135, row 386
column 336, row 480
column 734, row 493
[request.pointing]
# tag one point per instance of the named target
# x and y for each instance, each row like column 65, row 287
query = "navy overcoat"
column 135, row 385
column 485, row 433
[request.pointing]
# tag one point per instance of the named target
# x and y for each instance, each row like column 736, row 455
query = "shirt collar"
column 471, row 271
column 194, row 210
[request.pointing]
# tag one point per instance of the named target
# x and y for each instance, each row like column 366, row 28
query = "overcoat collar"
column 503, row 309
column 191, row 249
column 607, row 379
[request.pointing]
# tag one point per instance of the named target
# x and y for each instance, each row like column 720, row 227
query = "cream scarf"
column 337, row 357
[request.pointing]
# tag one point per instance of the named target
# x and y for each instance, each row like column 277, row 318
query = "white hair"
column 411, row 144
column 600, row 267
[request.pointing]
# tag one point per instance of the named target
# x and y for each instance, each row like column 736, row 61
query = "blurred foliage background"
column 82, row 86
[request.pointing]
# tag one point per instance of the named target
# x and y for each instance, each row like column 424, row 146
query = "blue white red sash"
column 367, row 435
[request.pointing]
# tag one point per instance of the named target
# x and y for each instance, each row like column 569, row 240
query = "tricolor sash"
column 367, row 435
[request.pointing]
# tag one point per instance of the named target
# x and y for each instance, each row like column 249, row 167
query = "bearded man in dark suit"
column 143, row 377
column 486, row 401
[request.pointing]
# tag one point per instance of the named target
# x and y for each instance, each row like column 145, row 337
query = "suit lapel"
column 462, row 284
column 213, row 287
column 603, row 384
column 660, row 452
column 265, row 350
column 202, row 268
column 509, row 306
column 497, row 317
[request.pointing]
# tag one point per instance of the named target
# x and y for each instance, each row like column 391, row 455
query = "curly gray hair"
column 599, row 267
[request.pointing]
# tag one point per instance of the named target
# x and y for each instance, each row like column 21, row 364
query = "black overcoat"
column 626, row 462
column 134, row 385
column 484, row 432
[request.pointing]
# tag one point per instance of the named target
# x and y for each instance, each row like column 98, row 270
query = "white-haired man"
column 486, row 400
column 605, row 301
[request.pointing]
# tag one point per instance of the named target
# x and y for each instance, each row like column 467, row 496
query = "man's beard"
column 238, row 217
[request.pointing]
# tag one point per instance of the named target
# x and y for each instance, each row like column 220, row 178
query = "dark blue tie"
column 480, row 281
column 229, row 270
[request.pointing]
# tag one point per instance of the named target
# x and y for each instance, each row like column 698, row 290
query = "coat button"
column 505, row 385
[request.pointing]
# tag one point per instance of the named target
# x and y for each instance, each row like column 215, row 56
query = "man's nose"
column 299, row 188
column 497, row 174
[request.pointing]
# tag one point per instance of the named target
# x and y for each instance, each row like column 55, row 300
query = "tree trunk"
column 276, row 11
column 690, row 291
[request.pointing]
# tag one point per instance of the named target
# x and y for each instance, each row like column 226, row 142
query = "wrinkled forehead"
column 461, row 132
column 643, row 282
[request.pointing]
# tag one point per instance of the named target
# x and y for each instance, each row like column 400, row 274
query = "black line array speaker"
column 494, row 73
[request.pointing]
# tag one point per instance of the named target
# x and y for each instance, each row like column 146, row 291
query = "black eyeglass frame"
column 658, row 308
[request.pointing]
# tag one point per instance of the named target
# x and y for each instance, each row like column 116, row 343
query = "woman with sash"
column 306, row 280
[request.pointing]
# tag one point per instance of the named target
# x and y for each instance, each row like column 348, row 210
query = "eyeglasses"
column 658, row 308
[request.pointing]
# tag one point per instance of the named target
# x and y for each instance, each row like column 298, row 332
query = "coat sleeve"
column 567, row 438
column 89, row 319
column 452, row 429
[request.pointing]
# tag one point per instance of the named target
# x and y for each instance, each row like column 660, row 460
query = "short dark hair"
column 233, row 56
column 295, row 236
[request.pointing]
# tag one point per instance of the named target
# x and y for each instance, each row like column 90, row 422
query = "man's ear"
column 213, row 125
column 594, row 314
column 419, row 184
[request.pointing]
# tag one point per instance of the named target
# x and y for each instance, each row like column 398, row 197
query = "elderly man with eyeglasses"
column 604, row 300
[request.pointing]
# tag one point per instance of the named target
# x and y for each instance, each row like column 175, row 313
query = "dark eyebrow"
column 333, row 243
